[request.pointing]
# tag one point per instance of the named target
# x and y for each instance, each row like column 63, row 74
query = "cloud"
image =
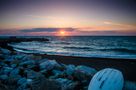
column 47, row 29
column 119, row 24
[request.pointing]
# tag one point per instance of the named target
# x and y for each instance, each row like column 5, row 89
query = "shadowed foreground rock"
column 19, row 71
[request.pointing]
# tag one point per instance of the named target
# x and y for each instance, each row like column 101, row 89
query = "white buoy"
column 107, row 79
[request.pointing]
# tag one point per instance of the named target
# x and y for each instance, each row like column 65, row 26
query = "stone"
column 83, row 72
column 66, row 84
column 70, row 69
column 28, row 64
column 129, row 85
column 15, row 72
column 3, row 77
column 5, row 51
column 21, row 81
column 51, row 84
column 56, row 72
column 6, row 70
column 107, row 79
column 12, row 80
column 49, row 65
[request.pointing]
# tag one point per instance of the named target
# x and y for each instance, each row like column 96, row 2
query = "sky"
column 72, row 17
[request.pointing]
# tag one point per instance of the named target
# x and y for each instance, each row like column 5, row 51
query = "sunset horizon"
column 83, row 17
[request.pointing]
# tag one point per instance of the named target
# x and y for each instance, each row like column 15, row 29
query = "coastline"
column 73, row 72
column 127, row 66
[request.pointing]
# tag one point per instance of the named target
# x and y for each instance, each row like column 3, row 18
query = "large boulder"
column 6, row 70
column 70, row 69
column 3, row 77
column 24, row 84
column 38, row 80
column 128, row 85
column 49, row 65
column 28, row 64
column 66, row 84
column 5, row 51
column 84, row 73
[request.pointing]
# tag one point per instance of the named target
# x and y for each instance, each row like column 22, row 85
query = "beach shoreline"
column 127, row 66
column 73, row 72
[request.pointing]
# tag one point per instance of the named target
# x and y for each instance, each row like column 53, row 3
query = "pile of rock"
column 20, row 71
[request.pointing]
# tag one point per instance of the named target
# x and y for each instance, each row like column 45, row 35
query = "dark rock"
column 49, row 65
column 5, row 51
column 128, row 85
column 66, row 84
column 28, row 64
column 70, row 69
column 6, row 70
column 84, row 72
column 38, row 80
column 12, row 80
column 51, row 84
column 15, row 72
column 3, row 77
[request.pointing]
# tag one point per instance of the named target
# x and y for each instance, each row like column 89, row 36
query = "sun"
column 62, row 33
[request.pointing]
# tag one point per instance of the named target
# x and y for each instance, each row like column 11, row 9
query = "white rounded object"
column 107, row 79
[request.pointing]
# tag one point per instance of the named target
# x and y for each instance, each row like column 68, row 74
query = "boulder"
column 84, row 73
column 128, row 85
column 15, row 72
column 66, row 84
column 24, row 84
column 49, row 65
column 70, row 69
column 5, row 51
column 3, row 77
column 28, row 64
column 6, row 70
column 38, row 80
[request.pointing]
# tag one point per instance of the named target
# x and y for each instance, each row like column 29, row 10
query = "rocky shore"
column 21, row 71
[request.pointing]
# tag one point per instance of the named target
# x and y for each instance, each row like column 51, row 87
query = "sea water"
column 84, row 46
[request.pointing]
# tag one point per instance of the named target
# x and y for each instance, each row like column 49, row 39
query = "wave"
column 126, row 50
column 86, row 48
column 120, row 50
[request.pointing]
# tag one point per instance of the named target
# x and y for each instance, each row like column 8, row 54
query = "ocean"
column 84, row 46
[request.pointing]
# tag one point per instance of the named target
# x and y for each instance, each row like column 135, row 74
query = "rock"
column 84, row 72
column 49, row 65
column 21, row 81
column 3, row 77
column 38, row 81
column 28, row 64
column 51, row 84
column 24, row 84
column 5, row 51
column 15, row 72
column 56, row 72
column 107, row 79
column 22, row 57
column 13, row 65
column 70, row 69
column 12, row 80
column 6, row 70
column 66, row 84
column 129, row 85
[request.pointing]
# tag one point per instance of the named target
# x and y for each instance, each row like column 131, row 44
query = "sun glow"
column 62, row 33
